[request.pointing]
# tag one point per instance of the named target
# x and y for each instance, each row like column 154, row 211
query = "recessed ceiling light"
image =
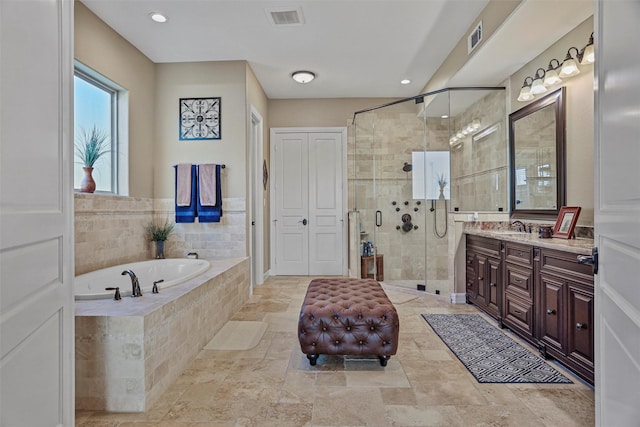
column 158, row 17
column 405, row 82
column 303, row 76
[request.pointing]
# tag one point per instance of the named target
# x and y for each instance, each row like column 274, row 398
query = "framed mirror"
column 537, row 157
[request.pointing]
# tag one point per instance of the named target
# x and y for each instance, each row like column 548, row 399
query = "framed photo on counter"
column 566, row 222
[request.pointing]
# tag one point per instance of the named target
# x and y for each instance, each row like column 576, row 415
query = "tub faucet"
column 192, row 254
column 135, row 284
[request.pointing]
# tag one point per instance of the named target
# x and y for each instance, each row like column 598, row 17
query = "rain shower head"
column 407, row 167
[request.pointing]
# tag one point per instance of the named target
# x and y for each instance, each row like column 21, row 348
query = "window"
column 96, row 101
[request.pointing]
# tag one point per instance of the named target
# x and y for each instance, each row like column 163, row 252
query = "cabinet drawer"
column 565, row 264
column 483, row 245
column 518, row 313
column 519, row 254
column 519, row 280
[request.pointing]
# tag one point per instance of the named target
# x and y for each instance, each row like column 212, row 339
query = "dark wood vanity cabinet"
column 484, row 274
column 519, row 303
column 543, row 295
column 565, row 318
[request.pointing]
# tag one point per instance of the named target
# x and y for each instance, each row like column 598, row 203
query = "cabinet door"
column 482, row 268
column 494, row 288
column 472, row 275
column 580, row 328
column 551, row 320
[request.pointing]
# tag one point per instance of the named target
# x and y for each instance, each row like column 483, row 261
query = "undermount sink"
column 508, row 232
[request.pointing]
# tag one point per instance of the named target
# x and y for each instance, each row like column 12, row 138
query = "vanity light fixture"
column 525, row 92
column 303, row 77
column 569, row 65
column 556, row 71
column 158, row 17
column 551, row 75
column 588, row 52
column 538, row 86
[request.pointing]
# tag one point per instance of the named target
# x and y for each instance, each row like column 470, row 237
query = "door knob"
column 304, row 221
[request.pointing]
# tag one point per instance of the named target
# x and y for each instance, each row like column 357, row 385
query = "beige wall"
column 257, row 99
column 318, row 112
column 579, row 110
column 200, row 80
column 105, row 51
column 492, row 17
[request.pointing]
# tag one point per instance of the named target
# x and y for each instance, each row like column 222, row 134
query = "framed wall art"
column 199, row 119
column 566, row 222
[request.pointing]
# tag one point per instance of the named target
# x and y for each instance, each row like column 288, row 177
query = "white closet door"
column 36, row 213
column 292, row 203
column 309, row 229
column 326, row 222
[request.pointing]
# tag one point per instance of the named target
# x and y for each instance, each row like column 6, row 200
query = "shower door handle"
column 378, row 218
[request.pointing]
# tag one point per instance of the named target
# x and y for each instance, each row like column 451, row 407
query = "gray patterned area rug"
column 490, row 355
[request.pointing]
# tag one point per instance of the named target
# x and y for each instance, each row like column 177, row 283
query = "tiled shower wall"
column 109, row 230
column 396, row 134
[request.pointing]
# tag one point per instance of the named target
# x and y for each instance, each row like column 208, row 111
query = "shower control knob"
column 393, row 203
column 415, row 209
column 415, row 227
column 397, row 227
column 418, row 202
column 406, row 203
column 397, row 209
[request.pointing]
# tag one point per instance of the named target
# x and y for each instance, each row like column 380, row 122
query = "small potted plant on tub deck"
column 159, row 234
column 90, row 146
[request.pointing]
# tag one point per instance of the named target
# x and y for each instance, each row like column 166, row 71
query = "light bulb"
column 569, row 68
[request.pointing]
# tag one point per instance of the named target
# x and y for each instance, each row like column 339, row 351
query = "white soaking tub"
column 171, row 271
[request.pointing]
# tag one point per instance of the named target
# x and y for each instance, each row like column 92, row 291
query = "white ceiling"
column 357, row 48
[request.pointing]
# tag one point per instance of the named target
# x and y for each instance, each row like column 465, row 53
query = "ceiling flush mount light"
column 303, row 76
column 405, row 82
column 158, row 17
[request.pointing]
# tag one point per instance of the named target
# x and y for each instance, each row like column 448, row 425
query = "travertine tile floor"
column 273, row 384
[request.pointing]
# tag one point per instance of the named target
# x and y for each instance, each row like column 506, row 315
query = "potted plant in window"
column 90, row 146
column 159, row 234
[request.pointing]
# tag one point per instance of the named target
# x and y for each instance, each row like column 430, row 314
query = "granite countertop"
column 580, row 245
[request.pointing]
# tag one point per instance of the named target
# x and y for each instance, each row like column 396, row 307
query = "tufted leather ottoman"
column 345, row 316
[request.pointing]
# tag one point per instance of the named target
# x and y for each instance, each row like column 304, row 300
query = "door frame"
column 256, row 230
column 272, row 188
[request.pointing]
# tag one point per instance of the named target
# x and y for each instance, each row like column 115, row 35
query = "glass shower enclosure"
column 415, row 167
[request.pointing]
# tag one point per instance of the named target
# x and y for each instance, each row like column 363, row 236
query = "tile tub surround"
column 129, row 352
column 109, row 230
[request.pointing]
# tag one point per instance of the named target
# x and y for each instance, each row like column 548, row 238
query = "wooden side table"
column 367, row 267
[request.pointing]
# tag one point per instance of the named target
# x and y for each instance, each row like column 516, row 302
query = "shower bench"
column 346, row 316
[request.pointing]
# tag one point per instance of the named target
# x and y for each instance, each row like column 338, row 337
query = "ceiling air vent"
column 474, row 38
column 286, row 16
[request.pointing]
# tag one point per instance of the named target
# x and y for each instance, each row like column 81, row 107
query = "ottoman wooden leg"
column 313, row 358
column 383, row 360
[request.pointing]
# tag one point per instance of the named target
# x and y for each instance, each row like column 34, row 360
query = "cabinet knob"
column 581, row 326
column 479, row 278
column 549, row 311
column 492, row 284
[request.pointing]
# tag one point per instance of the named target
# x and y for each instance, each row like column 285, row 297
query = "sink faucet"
column 135, row 285
column 520, row 226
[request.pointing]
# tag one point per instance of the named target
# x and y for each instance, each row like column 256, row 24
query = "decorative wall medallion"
column 199, row 118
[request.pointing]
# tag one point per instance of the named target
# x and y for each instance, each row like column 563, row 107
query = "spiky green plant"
column 91, row 145
column 159, row 233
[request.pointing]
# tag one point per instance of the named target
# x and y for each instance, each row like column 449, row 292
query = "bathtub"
column 172, row 271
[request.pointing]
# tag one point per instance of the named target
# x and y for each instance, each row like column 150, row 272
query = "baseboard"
column 458, row 298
